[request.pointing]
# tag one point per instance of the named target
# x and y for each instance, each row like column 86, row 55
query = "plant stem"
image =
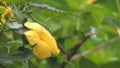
column 78, row 24
column 102, row 45
column 118, row 6
column 76, row 48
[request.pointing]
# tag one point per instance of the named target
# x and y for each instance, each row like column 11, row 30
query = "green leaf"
column 113, row 21
column 113, row 64
column 111, row 5
column 22, row 55
column 2, row 10
column 97, row 13
column 53, row 63
column 86, row 63
column 109, row 29
column 3, row 28
column 6, row 58
column 20, row 18
column 74, row 5
column 19, row 2
column 16, row 35
column 69, row 44
column 14, row 25
column 41, row 5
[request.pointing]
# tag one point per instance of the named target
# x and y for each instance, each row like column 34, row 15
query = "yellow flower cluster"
column 5, row 10
column 91, row 1
column 8, row 10
column 44, row 42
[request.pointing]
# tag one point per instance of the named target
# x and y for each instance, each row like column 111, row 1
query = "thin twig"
column 84, row 54
column 62, row 50
column 76, row 48
column 78, row 45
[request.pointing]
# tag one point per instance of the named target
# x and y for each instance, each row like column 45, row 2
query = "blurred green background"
column 70, row 22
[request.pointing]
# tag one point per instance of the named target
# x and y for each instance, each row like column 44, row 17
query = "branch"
column 78, row 45
column 84, row 54
column 62, row 49
column 76, row 48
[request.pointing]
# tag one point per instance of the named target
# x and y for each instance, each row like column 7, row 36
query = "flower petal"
column 32, row 37
column 42, row 50
column 52, row 44
column 33, row 25
column 49, row 39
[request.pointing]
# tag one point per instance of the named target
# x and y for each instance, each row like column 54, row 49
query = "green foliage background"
column 68, row 21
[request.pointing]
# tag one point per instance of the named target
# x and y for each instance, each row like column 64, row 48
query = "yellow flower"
column 8, row 11
column 42, row 38
column 91, row 1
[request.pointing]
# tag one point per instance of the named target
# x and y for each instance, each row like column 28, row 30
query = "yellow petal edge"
column 32, row 36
